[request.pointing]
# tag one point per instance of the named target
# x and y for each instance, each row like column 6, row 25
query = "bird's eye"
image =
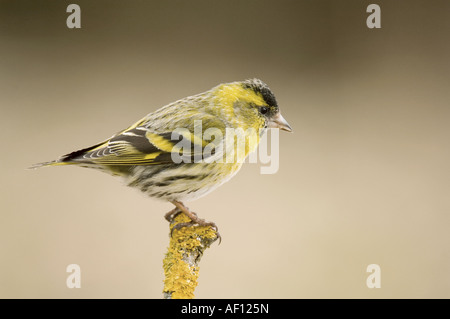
column 263, row 109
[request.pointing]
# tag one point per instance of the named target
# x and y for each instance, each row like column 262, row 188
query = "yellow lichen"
column 180, row 263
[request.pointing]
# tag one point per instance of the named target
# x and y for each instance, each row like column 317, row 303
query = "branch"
column 181, row 263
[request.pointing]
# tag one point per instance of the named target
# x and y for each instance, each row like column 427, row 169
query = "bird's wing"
column 140, row 144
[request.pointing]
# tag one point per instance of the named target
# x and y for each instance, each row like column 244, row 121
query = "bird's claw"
column 170, row 216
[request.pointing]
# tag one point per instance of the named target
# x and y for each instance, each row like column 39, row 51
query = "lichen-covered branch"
column 181, row 263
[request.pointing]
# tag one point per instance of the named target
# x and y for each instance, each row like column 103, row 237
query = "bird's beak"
column 278, row 121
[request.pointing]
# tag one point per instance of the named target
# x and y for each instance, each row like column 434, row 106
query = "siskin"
column 149, row 157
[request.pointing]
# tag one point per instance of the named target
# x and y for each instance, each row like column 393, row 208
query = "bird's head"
column 252, row 104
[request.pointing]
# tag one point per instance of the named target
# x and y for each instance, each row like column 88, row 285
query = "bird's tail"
column 68, row 159
column 51, row 163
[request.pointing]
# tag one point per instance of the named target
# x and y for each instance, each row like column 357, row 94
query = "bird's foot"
column 170, row 216
column 195, row 220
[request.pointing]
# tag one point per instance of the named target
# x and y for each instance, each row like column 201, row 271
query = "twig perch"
column 181, row 263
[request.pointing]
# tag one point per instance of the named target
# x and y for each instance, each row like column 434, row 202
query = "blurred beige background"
column 363, row 179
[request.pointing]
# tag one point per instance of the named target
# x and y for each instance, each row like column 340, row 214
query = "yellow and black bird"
column 149, row 157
